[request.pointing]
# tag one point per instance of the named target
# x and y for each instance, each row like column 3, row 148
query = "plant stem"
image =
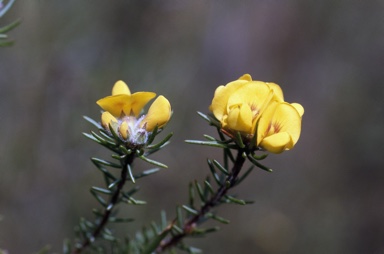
column 108, row 209
column 214, row 201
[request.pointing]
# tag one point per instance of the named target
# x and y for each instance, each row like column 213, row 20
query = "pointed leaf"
column 190, row 210
column 101, row 190
column 214, row 174
column 156, row 163
column 130, row 173
column 207, row 143
column 151, row 247
column 235, row 200
column 161, row 143
column 218, row 218
column 200, row 192
column 93, row 122
column 220, row 167
column 258, row 164
column 106, row 163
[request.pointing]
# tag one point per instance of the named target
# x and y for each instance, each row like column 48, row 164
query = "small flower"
column 245, row 104
column 123, row 109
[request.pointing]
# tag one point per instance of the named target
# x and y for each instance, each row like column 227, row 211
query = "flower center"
column 131, row 131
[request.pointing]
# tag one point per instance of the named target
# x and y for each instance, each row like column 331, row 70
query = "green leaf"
column 6, row 43
column 99, row 198
column 235, row 200
column 210, row 138
column 208, row 186
column 179, row 216
column 130, row 173
column 199, row 231
column 244, row 175
column 106, row 163
column 191, row 192
column 210, row 119
column 239, row 140
column 260, row 157
column 258, row 164
column 147, row 173
column 124, row 150
column 91, row 137
column 105, row 171
column 200, row 192
column 190, row 210
column 103, row 141
column 67, row 247
column 113, row 184
column 220, row 167
column 120, row 220
column 218, row 218
column 204, row 116
column 164, row 221
column 151, row 247
column 93, row 122
column 101, row 190
column 154, row 133
column 108, row 237
column 156, row 163
column 214, row 174
column 161, row 143
column 131, row 200
column 207, row 143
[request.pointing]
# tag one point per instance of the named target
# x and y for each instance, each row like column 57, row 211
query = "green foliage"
column 96, row 234
column 4, row 41
column 203, row 200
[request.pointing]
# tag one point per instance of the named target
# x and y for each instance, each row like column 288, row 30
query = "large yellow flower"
column 244, row 105
column 239, row 105
column 123, row 109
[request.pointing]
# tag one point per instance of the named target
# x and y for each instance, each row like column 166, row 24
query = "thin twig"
column 214, row 201
column 108, row 209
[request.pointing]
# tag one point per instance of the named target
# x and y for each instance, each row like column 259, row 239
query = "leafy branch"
column 124, row 154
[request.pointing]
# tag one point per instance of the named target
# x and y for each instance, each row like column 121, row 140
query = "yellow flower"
column 244, row 105
column 239, row 105
column 280, row 126
column 122, row 113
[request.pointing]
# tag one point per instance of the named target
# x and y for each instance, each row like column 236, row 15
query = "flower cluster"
column 123, row 113
column 257, row 109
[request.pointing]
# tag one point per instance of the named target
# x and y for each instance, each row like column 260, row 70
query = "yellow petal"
column 277, row 143
column 240, row 118
column 246, row 77
column 299, row 108
column 120, row 88
column 107, row 119
column 220, row 99
column 115, row 104
column 289, row 120
column 279, row 118
column 158, row 114
column 124, row 129
column 278, row 93
column 138, row 101
column 255, row 94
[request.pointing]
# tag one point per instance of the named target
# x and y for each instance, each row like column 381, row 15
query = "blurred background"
column 324, row 196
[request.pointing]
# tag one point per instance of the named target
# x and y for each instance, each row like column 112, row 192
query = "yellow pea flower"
column 122, row 113
column 122, row 102
column 279, row 126
column 239, row 105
